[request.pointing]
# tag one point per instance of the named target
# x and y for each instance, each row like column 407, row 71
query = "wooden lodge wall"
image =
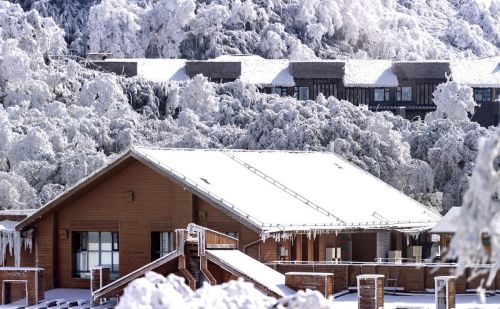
column 158, row 205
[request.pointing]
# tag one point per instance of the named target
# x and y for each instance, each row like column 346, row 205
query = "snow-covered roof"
column 278, row 191
column 476, row 73
column 289, row 191
column 263, row 72
column 369, row 73
column 8, row 225
column 253, row 269
column 162, row 70
column 448, row 224
column 17, row 212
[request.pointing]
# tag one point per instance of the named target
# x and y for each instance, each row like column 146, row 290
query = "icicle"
column 2, row 249
column 5, row 241
column 28, row 243
column 10, row 241
column 17, row 241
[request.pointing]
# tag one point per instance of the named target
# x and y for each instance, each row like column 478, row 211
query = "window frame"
column 162, row 251
column 482, row 92
column 281, row 91
column 298, row 90
column 82, row 248
column 233, row 234
column 400, row 92
column 386, row 95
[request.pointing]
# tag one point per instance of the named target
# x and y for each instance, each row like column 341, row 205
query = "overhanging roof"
column 277, row 191
column 448, row 224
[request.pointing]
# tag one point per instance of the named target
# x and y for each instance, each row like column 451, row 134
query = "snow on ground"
column 369, row 73
column 56, row 294
column 427, row 301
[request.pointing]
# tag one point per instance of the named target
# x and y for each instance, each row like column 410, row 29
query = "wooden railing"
column 214, row 240
column 410, row 277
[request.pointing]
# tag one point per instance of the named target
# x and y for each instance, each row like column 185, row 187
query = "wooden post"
column 370, row 291
column 445, row 292
column 321, row 282
column 99, row 277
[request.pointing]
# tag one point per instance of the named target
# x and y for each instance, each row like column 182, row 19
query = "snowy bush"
column 453, row 101
column 480, row 212
column 402, row 30
column 156, row 291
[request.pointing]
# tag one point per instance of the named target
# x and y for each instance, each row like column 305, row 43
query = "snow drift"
column 156, row 291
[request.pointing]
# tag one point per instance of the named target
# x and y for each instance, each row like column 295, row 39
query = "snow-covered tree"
column 167, row 21
column 200, row 97
column 480, row 213
column 115, row 27
column 453, row 101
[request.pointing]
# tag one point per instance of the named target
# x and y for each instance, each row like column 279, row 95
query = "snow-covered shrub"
column 453, row 101
column 115, row 27
column 199, row 96
column 480, row 212
column 156, row 291
column 168, row 19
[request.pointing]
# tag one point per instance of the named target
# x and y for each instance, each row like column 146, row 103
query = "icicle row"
column 13, row 242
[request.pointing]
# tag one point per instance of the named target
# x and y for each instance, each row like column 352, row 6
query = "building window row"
column 421, row 94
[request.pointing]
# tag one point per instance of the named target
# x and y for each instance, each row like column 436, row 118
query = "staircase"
column 193, row 263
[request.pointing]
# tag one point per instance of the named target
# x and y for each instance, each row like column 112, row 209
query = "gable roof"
column 278, row 191
column 448, row 224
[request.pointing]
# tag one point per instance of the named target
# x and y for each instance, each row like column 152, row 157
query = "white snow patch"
column 424, row 301
column 254, row 269
column 369, row 73
column 263, row 72
column 162, row 70
column 476, row 73
column 8, row 225
column 448, row 223
column 324, row 179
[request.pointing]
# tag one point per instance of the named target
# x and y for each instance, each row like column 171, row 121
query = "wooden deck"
column 410, row 277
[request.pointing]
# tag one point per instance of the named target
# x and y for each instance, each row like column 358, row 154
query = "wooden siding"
column 158, row 205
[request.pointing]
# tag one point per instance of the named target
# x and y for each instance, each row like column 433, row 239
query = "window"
column 232, row 234
column 161, row 244
column 96, row 249
column 404, row 94
column 482, row 94
column 301, row 93
column 381, row 95
column 281, row 91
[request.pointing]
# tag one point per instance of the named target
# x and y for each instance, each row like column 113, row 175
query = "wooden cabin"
column 402, row 87
column 280, row 205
